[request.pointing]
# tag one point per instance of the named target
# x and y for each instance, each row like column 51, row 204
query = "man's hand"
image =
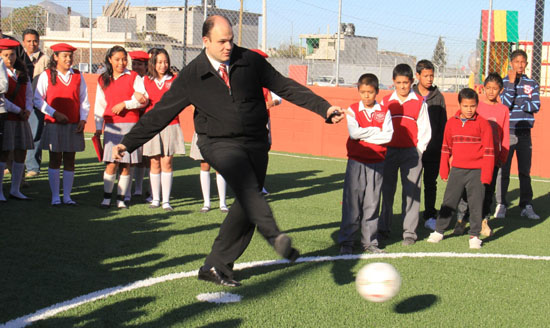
column 24, row 114
column 118, row 108
column 60, row 117
column 118, row 152
column 97, row 133
column 80, row 127
column 336, row 118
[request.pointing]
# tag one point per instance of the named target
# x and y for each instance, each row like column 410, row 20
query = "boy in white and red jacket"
column 468, row 140
column 370, row 127
column 412, row 133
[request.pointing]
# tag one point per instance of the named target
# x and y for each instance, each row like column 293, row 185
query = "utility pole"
column 184, row 48
column 90, row 70
column 337, row 77
column 241, row 24
column 264, row 26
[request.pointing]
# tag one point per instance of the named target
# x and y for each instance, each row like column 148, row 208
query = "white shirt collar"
column 216, row 64
column 11, row 73
column 126, row 71
column 411, row 96
column 66, row 75
column 34, row 55
column 373, row 108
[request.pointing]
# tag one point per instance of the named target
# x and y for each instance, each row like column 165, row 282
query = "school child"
column 438, row 118
column 117, row 107
column 195, row 154
column 369, row 127
column 498, row 117
column 140, row 60
column 521, row 96
column 163, row 146
column 17, row 135
column 62, row 95
column 468, row 140
column 411, row 135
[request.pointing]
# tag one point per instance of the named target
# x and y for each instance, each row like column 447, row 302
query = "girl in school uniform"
column 62, row 95
column 163, row 146
column 118, row 108
column 17, row 131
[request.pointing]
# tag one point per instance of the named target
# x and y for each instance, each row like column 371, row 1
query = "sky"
column 410, row 27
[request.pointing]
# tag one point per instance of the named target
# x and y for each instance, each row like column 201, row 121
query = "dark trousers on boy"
column 408, row 162
column 431, row 171
column 460, row 180
column 520, row 143
column 361, row 203
column 487, row 200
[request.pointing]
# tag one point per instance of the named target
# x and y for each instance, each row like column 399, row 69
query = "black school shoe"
column 283, row 247
column 213, row 275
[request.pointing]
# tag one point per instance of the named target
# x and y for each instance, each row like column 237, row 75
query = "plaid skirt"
column 17, row 135
column 195, row 152
column 167, row 143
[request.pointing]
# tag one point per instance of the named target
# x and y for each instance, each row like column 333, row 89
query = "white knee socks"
column 53, row 179
column 68, row 179
column 108, row 184
column 166, row 178
column 155, row 180
column 17, row 171
column 205, row 186
column 122, row 187
column 220, row 182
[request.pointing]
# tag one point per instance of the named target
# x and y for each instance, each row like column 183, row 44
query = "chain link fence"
column 464, row 39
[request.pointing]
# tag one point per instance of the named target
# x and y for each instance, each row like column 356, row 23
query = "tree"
column 439, row 58
column 21, row 19
column 288, row 51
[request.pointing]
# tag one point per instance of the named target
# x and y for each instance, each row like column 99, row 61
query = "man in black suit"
column 224, row 83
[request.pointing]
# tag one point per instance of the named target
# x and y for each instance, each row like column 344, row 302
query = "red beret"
column 8, row 44
column 263, row 54
column 139, row 55
column 63, row 47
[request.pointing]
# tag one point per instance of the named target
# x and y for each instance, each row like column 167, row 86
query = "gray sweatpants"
column 460, row 179
column 361, row 202
column 409, row 162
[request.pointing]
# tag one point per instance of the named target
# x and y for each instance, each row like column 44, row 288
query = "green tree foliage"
column 21, row 19
column 439, row 57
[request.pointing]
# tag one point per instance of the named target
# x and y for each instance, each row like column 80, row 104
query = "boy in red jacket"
column 468, row 139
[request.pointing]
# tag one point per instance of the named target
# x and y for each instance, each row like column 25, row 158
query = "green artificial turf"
column 50, row 255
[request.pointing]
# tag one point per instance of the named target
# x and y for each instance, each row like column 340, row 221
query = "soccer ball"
column 378, row 282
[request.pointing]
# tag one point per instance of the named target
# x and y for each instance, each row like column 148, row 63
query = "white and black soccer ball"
column 378, row 282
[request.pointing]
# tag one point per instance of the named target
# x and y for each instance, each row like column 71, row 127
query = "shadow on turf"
column 416, row 303
column 305, row 182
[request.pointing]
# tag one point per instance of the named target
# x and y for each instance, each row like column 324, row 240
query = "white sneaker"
column 500, row 211
column 435, row 237
column 430, row 224
column 529, row 213
column 475, row 243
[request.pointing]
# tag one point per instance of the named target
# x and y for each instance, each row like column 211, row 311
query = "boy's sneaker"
column 373, row 250
column 435, row 237
column 500, row 211
column 529, row 213
column 485, row 229
column 430, row 224
column 460, row 227
column 475, row 242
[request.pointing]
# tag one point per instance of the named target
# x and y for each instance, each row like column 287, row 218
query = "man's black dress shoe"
column 213, row 275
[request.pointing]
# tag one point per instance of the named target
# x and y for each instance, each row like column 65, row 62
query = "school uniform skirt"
column 195, row 152
column 114, row 132
column 60, row 138
column 167, row 143
column 17, row 135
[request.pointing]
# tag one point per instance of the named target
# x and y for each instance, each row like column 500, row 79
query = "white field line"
column 104, row 293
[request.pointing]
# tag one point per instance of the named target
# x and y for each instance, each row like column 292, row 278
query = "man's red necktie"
column 225, row 76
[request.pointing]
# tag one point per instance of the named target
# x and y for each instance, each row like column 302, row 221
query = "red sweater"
column 18, row 99
column 404, row 117
column 155, row 93
column 118, row 91
column 362, row 151
column 64, row 98
column 499, row 118
column 470, row 144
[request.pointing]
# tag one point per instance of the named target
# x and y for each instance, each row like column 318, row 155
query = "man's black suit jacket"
column 221, row 112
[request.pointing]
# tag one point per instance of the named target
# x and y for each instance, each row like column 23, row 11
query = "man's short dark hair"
column 403, row 70
column 30, row 31
column 467, row 93
column 209, row 24
column 368, row 79
column 494, row 77
column 518, row 52
column 424, row 64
